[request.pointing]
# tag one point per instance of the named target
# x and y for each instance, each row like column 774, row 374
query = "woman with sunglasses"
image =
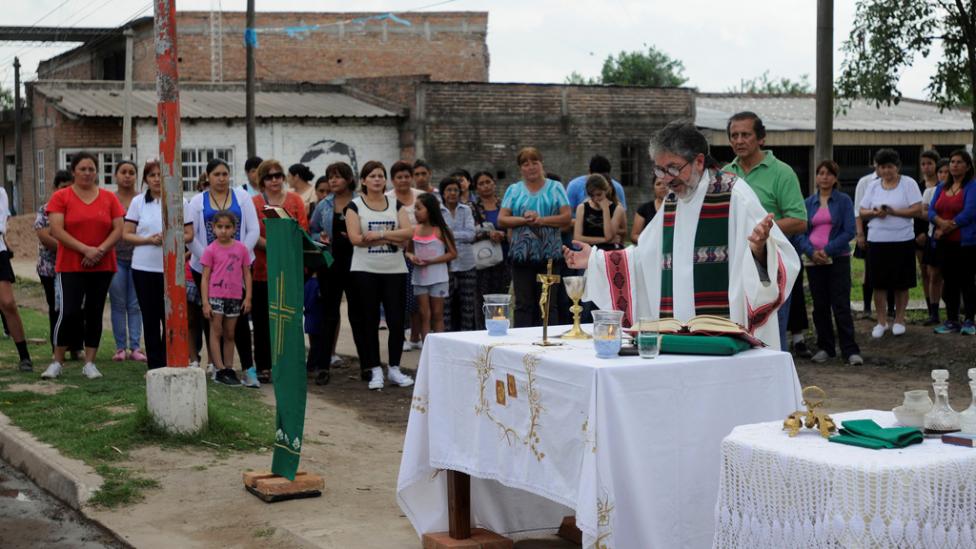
column 271, row 183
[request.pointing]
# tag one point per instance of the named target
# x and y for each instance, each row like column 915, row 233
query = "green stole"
column 711, row 257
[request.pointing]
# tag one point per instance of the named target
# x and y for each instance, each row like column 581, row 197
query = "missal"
column 701, row 325
column 274, row 212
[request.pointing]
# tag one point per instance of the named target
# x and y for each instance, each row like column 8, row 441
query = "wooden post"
column 168, row 120
column 127, row 99
column 458, row 505
column 18, row 144
column 824, row 144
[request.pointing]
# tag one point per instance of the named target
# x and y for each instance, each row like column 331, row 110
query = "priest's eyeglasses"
column 673, row 171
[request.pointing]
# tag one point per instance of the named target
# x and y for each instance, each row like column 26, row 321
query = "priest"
column 711, row 249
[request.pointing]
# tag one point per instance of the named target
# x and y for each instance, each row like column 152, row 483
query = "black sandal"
column 322, row 377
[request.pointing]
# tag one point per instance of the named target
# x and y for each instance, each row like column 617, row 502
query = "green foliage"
column 636, row 68
column 777, row 86
column 888, row 34
column 7, row 99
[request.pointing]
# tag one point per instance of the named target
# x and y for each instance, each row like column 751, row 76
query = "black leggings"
column 958, row 270
column 334, row 281
column 242, row 332
column 82, row 299
column 262, row 325
column 52, row 315
column 150, row 288
column 369, row 291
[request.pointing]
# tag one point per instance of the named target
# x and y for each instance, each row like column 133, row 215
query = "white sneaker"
column 855, row 360
column 90, row 371
column 418, row 345
column 820, row 357
column 53, row 371
column 211, row 372
column 407, row 346
column 396, row 376
column 250, row 378
column 879, row 330
column 336, row 360
column 376, row 382
column 897, row 329
column 195, row 364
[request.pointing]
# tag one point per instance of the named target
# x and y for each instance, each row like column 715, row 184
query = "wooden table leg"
column 459, row 505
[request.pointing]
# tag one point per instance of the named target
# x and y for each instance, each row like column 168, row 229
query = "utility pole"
column 18, row 143
column 252, row 146
column 127, row 117
column 168, row 120
column 824, row 145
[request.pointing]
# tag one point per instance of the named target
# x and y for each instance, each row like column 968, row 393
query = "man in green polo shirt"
column 773, row 181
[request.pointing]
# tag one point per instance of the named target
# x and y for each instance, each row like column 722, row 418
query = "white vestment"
column 752, row 302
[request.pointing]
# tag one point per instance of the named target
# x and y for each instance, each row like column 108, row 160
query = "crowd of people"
column 415, row 258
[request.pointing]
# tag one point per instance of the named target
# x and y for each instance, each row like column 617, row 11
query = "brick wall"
column 482, row 126
column 445, row 45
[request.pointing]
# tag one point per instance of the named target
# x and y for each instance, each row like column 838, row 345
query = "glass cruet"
column 967, row 418
column 941, row 418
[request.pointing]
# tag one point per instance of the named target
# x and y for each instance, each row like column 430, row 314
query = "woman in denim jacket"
column 826, row 254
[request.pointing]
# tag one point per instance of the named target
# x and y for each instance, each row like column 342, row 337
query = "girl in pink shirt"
column 226, row 277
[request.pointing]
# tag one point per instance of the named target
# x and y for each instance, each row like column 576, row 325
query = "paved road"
column 31, row 518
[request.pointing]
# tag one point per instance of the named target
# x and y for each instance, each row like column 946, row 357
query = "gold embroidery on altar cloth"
column 484, row 371
column 603, row 510
column 500, row 392
column 419, row 403
column 589, row 436
column 512, row 388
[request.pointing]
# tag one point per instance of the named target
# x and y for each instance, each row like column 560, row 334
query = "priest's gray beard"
column 688, row 187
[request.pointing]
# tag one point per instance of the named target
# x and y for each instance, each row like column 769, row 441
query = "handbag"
column 487, row 253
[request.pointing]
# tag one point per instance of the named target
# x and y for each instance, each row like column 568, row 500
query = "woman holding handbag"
column 491, row 242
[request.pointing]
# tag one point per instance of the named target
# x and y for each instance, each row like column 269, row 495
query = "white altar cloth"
column 805, row 492
column 628, row 445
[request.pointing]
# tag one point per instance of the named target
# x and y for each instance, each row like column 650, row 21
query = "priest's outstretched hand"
column 574, row 259
column 757, row 240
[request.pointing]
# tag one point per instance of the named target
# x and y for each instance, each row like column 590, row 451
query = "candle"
column 497, row 326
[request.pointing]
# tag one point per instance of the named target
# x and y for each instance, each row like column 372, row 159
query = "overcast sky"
column 719, row 43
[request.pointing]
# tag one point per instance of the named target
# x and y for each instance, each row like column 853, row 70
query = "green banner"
column 289, row 248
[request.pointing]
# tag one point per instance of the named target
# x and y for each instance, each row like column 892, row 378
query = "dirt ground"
column 354, row 438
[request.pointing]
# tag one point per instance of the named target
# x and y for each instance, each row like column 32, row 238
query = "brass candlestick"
column 575, row 286
column 547, row 280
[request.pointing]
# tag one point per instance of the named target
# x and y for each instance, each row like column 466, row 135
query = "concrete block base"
column 177, row 399
column 480, row 539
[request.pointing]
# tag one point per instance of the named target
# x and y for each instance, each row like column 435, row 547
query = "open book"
column 706, row 325
column 274, row 212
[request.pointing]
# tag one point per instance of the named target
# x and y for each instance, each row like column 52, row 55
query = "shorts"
column 227, row 306
column 440, row 289
column 6, row 269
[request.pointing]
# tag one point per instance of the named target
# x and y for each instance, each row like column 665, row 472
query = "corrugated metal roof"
column 798, row 113
column 209, row 103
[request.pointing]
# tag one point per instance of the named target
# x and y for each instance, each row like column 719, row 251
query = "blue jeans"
column 783, row 315
column 126, row 318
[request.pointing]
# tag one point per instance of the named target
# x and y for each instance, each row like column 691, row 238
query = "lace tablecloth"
column 630, row 446
column 806, row 492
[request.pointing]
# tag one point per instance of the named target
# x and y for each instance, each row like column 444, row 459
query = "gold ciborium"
column 575, row 286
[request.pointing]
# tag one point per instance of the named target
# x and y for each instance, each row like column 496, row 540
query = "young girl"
column 599, row 217
column 430, row 250
column 226, row 266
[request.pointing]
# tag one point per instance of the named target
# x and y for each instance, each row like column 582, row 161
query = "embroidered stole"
column 711, row 256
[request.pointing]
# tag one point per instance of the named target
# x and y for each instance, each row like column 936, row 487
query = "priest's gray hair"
column 680, row 138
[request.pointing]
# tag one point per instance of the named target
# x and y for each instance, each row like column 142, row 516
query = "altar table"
column 628, row 445
column 805, row 492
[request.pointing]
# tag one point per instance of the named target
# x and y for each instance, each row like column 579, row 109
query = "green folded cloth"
column 702, row 345
column 868, row 434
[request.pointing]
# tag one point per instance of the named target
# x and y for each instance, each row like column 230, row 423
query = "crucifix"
column 547, row 280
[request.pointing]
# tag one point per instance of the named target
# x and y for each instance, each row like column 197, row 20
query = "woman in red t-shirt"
column 87, row 222
column 271, row 179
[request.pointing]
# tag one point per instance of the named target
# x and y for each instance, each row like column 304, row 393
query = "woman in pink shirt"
column 826, row 254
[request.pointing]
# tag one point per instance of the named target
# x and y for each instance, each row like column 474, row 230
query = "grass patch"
column 264, row 532
column 101, row 421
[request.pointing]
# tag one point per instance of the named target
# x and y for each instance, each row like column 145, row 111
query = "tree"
column 6, row 99
column 886, row 36
column 637, row 68
column 779, row 86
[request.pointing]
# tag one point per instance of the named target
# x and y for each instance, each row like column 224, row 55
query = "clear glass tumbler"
column 648, row 339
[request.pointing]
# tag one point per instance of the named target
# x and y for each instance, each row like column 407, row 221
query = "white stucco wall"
column 286, row 140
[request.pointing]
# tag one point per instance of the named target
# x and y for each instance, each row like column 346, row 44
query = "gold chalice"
column 575, row 286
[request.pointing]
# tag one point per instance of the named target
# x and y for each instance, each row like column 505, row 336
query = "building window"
column 41, row 177
column 194, row 163
column 107, row 160
column 629, row 164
